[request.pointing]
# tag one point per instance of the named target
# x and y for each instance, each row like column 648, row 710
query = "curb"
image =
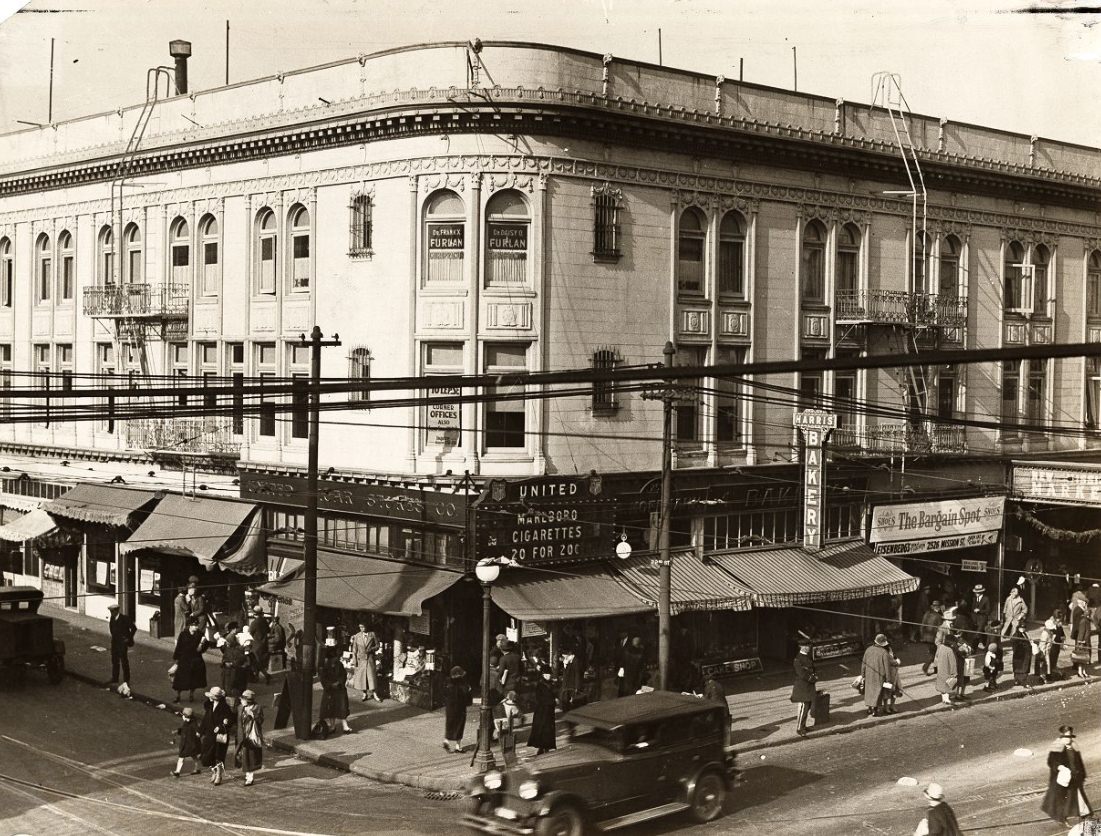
column 1014, row 694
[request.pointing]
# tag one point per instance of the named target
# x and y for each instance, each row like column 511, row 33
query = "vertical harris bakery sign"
column 548, row 519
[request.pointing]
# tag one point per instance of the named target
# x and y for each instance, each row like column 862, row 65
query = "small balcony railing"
column 900, row 307
column 152, row 300
column 887, row 439
column 183, row 435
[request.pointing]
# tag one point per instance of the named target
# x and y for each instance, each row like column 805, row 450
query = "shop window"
column 360, row 212
column 359, row 371
column 267, row 239
column 732, row 256
column 1093, row 283
column 1017, row 276
column 5, row 380
column 298, row 365
column 105, row 261
column 604, row 391
column 730, row 401
column 265, row 370
column 209, row 260
column 440, row 359
column 848, row 261
column 134, row 263
column 67, row 280
column 949, row 284
column 43, row 272
column 7, row 273
column 149, row 581
column 31, row 562
column 508, row 223
column 300, row 249
column 445, row 239
column 1041, row 258
column 235, row 367
column 100, row 567
column 691, row 239
column 607, row 202
column 505, row 419
column 688, row 413
column 755, row 527
column 813, row 263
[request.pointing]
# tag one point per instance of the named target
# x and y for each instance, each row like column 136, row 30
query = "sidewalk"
column 397, row 743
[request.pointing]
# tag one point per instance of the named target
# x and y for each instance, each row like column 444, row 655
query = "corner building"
column 525, row 208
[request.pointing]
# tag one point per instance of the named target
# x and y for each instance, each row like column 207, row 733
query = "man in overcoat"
column 122, row 630
column 1067, row 774
column 803, row 691
column 981, row 610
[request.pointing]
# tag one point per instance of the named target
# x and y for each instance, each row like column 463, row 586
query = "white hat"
column 934, row 792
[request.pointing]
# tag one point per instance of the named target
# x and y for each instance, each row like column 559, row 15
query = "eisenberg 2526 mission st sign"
column 548, row 519
column 937, row 526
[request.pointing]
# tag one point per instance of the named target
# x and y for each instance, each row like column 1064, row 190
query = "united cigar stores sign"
column 395, row 503
column 545, row 520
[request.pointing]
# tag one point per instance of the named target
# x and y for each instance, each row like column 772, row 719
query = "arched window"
column 66, row 281
column 1093, row 284
column 106, row 257
column 814, row 263
column 179, row 242
column 43, row 268
column 1014, row 286
column 7, row 273
column 300, row 248
column 208, row 255
column 267, row 236
column 445, row 238
column 691, row 238
column 848, row 260
column 133, row 261
column 732, row 256
column 507, row 224
column 1041, row 258
column 948, row 282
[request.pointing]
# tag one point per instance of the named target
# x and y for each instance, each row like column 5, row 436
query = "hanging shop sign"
column 937, row 526
column 815, row 425
column 443, row 418
column 546, row 520
column 1067, row 485
column 973, row 566
column 731, row 667
column 429, row 506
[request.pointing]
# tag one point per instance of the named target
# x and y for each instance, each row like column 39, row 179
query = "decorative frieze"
column 1015, row 333
column 205, row 319
column 734, row 323
column 1041, row 333
column 442, row 314
column 695, row 322
column 508, row 315
column 816, row 326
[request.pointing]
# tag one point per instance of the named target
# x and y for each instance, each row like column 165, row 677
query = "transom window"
column 300, row 249
column 814, row 263
column 67, row 279
column 445, row 239
column 691, row 239
column 732, row 256
column 507, row 226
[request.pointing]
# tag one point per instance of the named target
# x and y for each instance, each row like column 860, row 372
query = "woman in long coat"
column 1064, row 797
column 456, row 698
column 876, row 670
column 365, row 679
column 1022, row 658
column 250, row 735
column 190, row 665
column 1079, row 640
column 214, row 729
column 542, row 736
column 948, row 670
column 334, row 690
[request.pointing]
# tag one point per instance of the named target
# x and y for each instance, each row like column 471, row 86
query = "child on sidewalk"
column 189, row 746
column 992, row 662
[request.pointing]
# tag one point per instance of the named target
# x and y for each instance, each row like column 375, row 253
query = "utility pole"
column 308, row 646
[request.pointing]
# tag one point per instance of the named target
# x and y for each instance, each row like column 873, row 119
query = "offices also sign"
column 815, row 424
column 937, row 520
column 545, row 520
column 443, row 419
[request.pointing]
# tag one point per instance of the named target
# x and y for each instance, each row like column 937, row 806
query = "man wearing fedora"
column 981, row 609
column 940, row 819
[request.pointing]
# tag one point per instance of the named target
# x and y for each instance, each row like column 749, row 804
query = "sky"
column 981, row 61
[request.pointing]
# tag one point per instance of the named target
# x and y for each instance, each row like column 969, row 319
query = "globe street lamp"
column 487, row 571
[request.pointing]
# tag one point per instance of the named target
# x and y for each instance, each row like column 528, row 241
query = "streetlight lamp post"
column 487, row 571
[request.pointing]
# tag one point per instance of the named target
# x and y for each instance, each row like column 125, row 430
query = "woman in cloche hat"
column 250, row 735
column 214, row 730
column 456, row 698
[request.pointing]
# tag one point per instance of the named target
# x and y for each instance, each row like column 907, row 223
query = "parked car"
column 626, row 761
column 26, row 637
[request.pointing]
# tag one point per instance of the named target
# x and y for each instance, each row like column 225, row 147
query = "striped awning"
column 566, row 593
column 790, row 577
column 692, row 584
column 101, row 504
column 28, row 527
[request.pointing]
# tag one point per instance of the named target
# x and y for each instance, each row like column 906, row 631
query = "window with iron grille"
column 604, row 391
column 360, row 209
column 607, row 202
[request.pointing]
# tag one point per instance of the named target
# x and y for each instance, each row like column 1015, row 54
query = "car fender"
column 712, row 766
column 548, row 802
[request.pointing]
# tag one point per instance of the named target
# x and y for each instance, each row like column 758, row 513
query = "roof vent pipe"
column 181, row 51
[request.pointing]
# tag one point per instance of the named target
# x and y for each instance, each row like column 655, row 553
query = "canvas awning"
column 101, row 504
column 566, row 593
column 692, row 584
column 790, row 577
column 206, row 529
column 371, row 584
column 27, row 527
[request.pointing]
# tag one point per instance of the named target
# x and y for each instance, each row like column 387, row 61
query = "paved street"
column 109, row 759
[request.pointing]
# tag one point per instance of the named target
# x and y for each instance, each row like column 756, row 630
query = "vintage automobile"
column 27, row 637
column 627, row 760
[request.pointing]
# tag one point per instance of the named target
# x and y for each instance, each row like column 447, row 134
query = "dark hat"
column 1066, row 731
column 457, row 672
column 881, row 639
column 193, row 579
column 257, row 608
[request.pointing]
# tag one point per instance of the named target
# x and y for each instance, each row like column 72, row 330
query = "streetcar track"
column 42, row 804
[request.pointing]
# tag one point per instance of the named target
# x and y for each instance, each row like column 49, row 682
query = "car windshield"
column 580, row 733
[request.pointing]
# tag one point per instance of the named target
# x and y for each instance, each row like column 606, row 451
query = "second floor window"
column 505, row 419
column 1093, row 283
column 507, row 227
column 1040, row 260
column 691, row 238
column 1016, row 284
column 1093, row 393
column 444, row 239
column 813, row 263
column 732, row 256
column 179, row 235
column 105, row 262
column 265, row 370
column 729, row 401
column 948, row 282
column 688, row 414
column 1011, row 396
column 848, row 259
column 300, row 249
column 66, row 281
column 298, row 364
column 44, row 271
column 266, row 240
column 7, row 273
column 134, row 262
column 210, row 277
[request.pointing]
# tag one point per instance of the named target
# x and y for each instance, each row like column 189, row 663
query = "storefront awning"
column 19, row 502
column 559, row 595
column 28, row 527
column 372, row 584
column 206, row 529
column 692, row 584
column 100, row 504
column 790, row 577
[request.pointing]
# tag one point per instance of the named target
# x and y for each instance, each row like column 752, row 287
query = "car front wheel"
column 564, row 820
column 708, row 797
